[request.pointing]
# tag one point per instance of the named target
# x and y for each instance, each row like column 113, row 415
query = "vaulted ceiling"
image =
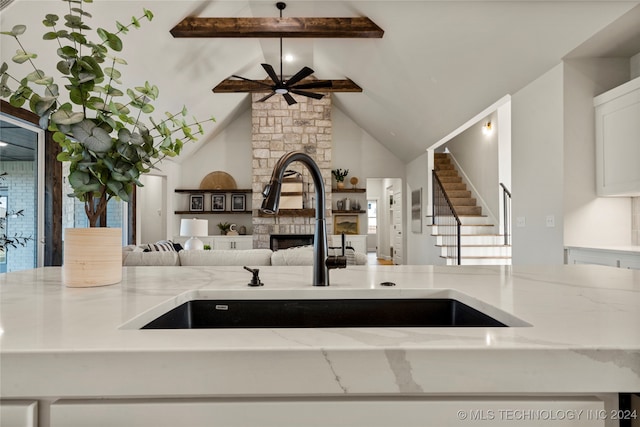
column 437, row 66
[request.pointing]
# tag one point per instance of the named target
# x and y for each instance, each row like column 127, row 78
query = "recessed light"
column 288, row 57
column 3, row 144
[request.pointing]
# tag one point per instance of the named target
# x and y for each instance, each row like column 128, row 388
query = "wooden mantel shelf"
column 307, row 213
column 204, row 191
column 348, row 190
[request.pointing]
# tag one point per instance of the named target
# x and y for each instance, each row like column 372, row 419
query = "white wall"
column 589, row 220
column 230, row 152
column 356, row 150
column 421, row 248
column 171, row 171
column 152, row 199
column 537, row 169
column 476, row 156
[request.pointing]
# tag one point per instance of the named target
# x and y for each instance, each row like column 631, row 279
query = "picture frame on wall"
column 416, row 211
column 238, row 203
column 346, row 224
column 218, row 202
column 196, row 203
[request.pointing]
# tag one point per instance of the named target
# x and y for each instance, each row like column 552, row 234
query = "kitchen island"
column 77, row 355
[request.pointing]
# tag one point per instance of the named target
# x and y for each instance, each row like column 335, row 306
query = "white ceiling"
column 438, row 65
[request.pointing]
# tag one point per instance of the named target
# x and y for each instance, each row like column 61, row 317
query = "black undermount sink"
column 322, row 313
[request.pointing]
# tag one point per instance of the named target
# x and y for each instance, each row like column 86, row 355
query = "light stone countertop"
column 583, row 335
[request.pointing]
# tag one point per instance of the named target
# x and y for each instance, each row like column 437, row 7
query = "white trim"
column 39, row 240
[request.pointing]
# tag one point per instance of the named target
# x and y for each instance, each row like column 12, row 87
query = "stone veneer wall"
column 278, row 128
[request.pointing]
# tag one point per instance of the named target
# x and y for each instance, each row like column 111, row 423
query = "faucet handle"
column 336, row 261
column 255, row 280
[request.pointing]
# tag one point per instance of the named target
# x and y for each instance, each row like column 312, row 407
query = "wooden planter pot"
column 92, row 257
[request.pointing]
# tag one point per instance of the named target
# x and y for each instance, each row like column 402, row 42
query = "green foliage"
column 340, row 174
column 224, row 227
column 101, row 129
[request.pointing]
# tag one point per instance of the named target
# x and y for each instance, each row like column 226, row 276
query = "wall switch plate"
column 520, row 221
column 551, row 221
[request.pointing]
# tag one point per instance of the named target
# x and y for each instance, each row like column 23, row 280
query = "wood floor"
column 373, row 260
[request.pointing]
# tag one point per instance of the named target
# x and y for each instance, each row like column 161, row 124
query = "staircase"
column 479, row 241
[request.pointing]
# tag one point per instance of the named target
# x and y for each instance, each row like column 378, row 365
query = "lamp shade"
column 194, row 227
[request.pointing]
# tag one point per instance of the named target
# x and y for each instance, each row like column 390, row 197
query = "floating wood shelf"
column 291, row 212
column 201, row 191
column 348, row 190
column 210, row 212
column 336, row 211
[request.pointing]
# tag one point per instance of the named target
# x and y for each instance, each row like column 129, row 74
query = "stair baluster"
column 506, row 214
column 444, row 215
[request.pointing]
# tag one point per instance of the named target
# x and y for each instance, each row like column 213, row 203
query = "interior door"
column 397, row 229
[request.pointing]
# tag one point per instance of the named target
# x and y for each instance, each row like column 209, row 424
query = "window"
column 372, row 216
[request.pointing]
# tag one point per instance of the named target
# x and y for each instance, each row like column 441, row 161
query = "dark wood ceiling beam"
column 361, row 27
column 236, row 86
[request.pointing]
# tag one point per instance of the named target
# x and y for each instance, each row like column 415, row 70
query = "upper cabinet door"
column 618, row 140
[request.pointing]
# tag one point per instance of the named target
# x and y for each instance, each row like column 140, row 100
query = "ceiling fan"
column 292, row 85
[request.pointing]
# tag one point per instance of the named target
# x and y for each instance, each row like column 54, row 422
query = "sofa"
column 303, row 255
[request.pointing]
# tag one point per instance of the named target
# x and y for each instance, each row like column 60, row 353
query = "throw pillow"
column 161, row 246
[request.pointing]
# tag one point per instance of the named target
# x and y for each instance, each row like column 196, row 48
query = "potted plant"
column 224, row 227
column 106, row 132
column 340, row 175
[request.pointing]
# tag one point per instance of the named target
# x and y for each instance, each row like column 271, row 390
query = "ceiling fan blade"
column 272, row 73
column 304, row 72
column 252, row 81
column 266, row 97
column 289, row 99
column 308, row 94
column 313, row 85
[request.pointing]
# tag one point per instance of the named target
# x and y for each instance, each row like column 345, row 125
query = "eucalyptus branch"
column 30, row 61
column 106, row 155
column 106, row 95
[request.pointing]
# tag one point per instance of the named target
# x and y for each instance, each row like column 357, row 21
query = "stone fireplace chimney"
column 278, row 128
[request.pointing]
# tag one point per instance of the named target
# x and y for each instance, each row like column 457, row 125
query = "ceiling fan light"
column 281, row 91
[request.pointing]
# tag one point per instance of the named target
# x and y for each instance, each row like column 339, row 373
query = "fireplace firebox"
column 284, row 241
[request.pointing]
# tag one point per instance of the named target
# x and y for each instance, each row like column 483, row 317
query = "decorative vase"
column 340, row 185
column 92, row 257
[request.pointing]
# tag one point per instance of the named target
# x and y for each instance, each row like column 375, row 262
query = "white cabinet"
column 18, row 413
column 357, row 241
column 222, row 242
column 232, row 242
column 451, row 411
column 618, row 140
column 612, row 257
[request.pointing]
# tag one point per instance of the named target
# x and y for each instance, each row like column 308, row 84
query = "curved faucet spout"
column 271, row 202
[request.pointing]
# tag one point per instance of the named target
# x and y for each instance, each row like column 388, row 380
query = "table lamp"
column 193, row 228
